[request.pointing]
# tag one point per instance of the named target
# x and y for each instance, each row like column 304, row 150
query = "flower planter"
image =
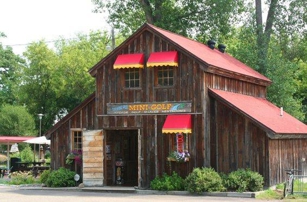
column 173, row 159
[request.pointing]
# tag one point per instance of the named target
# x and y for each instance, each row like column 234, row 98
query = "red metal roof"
column 262, row 111
column 129, row 61
column 14, row 139
column 179, row 123
column 169, row 58
column 209, row 56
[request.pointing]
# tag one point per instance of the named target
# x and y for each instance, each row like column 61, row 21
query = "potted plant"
column 179, row 156
column 75, row 155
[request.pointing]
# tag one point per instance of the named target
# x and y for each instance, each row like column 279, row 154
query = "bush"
column 244, row 180
column 18, row 178
column 44, row 176
column 27, row 154
column 61, row 178
column 168, row 183
column 204, row 180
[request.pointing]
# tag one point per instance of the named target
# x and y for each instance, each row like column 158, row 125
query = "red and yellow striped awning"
column 129, row 61
column 179, row 123
column 169, row 58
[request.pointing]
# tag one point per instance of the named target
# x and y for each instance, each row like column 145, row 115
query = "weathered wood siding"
column 234, row 85
column 286, row 154
column 110, row 89
column 80, row 118
column 236, row 142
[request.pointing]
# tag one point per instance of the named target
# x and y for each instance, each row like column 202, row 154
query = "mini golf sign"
column 149, row 108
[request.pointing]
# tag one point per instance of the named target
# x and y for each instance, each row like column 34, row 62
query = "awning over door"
column 129, row 61
column 179, row 123
column 163, row 59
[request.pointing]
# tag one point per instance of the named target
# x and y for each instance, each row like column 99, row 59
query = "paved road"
column 15, row 194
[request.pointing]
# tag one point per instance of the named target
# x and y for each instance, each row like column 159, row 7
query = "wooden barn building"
column 159, row 92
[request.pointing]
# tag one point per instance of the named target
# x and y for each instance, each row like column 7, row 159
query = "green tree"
column 9, row 62
column 282, row 71
column 72, row 81
column 285, row 18
column 37, row 91
column 16, row 121
column 212, row 17
column 57, row 80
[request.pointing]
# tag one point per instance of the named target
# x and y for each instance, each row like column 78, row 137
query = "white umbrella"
column 38, row 140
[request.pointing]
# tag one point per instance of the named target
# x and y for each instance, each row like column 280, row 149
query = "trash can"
column 14, row 163
column 119, row 171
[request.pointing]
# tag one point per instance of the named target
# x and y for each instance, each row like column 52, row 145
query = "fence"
column 300, row 184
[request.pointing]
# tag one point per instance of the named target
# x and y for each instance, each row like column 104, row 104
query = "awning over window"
column 180, row 123
column 163, row 59
column 129, row 61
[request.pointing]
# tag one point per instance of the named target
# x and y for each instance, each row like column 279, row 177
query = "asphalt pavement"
column 41, row 194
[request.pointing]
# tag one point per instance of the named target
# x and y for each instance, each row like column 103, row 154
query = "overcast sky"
column 25, row 21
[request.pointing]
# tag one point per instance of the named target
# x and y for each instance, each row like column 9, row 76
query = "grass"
column 277, row 194
column 270, row 195
column 3, row 181
column 19, row 178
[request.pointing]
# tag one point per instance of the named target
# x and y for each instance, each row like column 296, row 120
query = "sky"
column 26, row 21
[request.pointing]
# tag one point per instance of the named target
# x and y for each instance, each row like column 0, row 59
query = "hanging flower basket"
column 74, row 156
column 179, row 156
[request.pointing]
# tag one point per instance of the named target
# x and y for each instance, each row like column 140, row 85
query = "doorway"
column 121, row 157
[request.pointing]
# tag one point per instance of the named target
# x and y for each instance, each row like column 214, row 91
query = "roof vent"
column 211, row 44
column 221, row 48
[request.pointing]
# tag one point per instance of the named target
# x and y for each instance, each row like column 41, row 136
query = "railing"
column 300, row 184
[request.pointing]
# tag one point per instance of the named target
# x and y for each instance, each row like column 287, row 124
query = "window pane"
column 132, row 78
column 165, row 76
column 77, row 140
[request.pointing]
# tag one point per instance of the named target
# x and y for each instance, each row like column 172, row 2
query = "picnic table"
column 25, row 166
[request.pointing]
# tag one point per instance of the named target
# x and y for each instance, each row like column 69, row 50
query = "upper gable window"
column 165, row 76
column 132, row 78
column 164, row 63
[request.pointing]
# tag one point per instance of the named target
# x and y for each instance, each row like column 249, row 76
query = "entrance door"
column 121, row 145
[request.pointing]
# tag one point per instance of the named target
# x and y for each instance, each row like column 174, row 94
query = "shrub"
column 44, row 176
column 244, row 180
column 168, row 183
column 61, row 178
column 27, row 154
column 203, row 180
column 18, row 178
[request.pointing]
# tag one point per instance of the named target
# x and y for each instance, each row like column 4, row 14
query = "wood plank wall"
column 111, row 90
column 92, row 143
column 61, row 138
column 286, row 154
column 237, row 142
column 234, row 85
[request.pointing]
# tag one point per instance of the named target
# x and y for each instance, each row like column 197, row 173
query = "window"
column 132, row 78
column 77, row 140
column 165, row 76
